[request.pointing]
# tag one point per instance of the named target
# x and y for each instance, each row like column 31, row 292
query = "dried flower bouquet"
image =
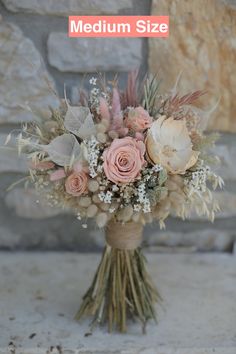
column 123, row 158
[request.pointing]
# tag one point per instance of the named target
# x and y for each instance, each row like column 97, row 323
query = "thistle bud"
column 96, row 199
column 104, row 206
column 101, row 219
column 113, row 134
column 84, row 201
column 136, row 216
column 125, row 214
column 92, row 211
column 93, row 185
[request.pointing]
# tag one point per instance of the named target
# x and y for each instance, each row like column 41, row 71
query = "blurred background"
column 35, row 51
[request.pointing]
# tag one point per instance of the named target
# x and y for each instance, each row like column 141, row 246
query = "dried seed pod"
column 101, row 137
column 85, row 201
column 92, row 211
column 136, row 216
column 106, row 123
column 113, row 134
column 101, row 219
column 114, row 205
column 93, row 185
column 96, row 199
column 104, row 206
column 101, row 128
column 125, row 214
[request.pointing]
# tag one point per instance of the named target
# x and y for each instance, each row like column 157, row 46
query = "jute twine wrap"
column 126, row 236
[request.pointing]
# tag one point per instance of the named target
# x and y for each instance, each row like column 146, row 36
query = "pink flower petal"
column 123, row 160
column 57, row 175
column 79, row 167
column 139, row 136
column 42, row 165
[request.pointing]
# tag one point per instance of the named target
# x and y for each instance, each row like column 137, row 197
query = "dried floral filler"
column 123, row 158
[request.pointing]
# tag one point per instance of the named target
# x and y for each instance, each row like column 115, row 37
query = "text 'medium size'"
column 118, row 26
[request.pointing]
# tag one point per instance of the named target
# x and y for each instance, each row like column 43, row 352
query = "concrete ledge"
column 40, row 292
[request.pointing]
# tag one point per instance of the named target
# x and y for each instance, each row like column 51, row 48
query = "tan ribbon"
column 126, row 236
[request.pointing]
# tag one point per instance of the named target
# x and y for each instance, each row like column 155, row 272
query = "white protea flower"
column 168, row 143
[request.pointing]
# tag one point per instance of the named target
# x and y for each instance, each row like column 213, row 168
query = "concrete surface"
column 40, row 293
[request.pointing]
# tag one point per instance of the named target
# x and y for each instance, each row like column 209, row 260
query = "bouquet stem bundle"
column 121, row 288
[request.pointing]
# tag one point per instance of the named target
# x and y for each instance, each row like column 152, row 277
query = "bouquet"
column 123, row 158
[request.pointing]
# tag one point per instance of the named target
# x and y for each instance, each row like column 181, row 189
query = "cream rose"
column 138, row 119
column 77, row 183
column 169, row 144
column 123, row 160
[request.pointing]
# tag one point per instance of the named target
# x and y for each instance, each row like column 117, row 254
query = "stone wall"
column 202, row 45
column 37, row 58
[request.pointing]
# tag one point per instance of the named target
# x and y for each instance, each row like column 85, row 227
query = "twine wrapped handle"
column 126, row 236
column 121, row 287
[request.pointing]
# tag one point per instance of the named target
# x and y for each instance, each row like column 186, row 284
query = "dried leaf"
column 62, row 149
column 79, row 121
column 8, row 138
column 150, row 93
column 162, row 177
column 87, row 128
column 174, row 103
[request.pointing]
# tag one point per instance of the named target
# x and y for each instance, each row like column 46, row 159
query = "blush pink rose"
column 138, row 119
column 123, row 160
column 77, row 183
